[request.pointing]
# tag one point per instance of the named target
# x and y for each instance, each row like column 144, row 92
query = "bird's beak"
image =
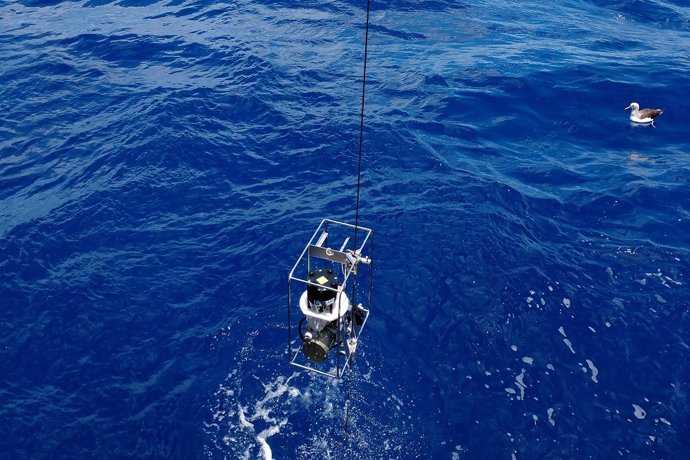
column 628, row 107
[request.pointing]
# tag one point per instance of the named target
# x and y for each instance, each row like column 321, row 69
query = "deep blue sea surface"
column 162, row 164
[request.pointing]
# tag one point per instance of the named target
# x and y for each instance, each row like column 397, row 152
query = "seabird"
column 644, row 115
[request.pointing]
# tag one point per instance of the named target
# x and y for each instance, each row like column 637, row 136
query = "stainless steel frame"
column 353, row 262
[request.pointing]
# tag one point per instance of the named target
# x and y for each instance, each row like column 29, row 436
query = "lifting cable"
column 361, row 120
column 359, row 182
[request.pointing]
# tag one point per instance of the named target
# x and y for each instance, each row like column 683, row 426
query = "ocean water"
column 162, row 164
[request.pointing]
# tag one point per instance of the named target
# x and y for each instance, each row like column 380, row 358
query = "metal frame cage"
column 352, row 263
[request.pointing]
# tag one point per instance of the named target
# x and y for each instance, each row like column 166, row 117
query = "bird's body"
column 644, row 115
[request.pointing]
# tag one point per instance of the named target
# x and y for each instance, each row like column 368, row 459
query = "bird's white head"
column 634, row 106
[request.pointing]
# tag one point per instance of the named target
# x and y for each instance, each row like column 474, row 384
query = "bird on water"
column 644, row 115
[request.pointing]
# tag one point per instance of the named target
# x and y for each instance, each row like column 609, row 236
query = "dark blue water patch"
column 86, row 303
column 136, row 3
column 435, row 80
column 40, row 3
column 649, row 14
column 425, row 6
column 618, row 44
column 96, row 3
column 409, row 36
column 548, row 174
column 127, row 50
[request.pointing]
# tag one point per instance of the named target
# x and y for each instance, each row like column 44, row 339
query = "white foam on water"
column 251, row 422
column 549, row 414
column 663, row 420
column 639, row 412
column 520, row 383
column 659, row 298
column 609, row 271
column 255, row 417
column 513, row 347
column 566, row 302
column 265, row 434
column 455, row 455
column 593, row 368
column 244, row 423
column 262, row 411
column 671, row 280
column 665, row 280
column 569, row 345
column 527, row 360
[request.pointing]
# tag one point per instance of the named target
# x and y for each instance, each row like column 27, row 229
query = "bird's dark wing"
column 649, row 113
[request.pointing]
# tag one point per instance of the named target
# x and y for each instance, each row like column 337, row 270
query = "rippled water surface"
column 162, row 164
